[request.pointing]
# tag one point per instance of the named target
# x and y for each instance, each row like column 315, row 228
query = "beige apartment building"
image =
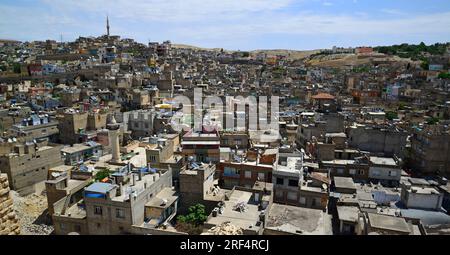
column 27, row 164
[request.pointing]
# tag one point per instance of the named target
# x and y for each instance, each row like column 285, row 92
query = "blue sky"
column 233, row 24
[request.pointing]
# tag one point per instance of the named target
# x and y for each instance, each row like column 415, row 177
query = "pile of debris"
column 9, row 222
column 240, row 207
column 32, row 212
column 225, row 228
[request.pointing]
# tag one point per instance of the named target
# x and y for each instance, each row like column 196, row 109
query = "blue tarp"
column 94, row 195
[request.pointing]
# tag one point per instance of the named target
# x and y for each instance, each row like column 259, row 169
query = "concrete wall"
column 109, row 224
column 28, row 169
column 422, row 201
column 378, row 141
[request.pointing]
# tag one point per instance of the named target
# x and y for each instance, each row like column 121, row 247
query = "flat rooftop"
column 75, row 148
column 298, row 220
column 348, row 213
column 100, row 187
column 245, row 220
column 344, row 182
column 385, row 222
column 294, row 167
column 383, row 161
column 167, row 194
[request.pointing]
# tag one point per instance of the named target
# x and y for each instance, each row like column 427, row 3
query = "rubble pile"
column 31, row 211
column 9, row 222
column 225, row 228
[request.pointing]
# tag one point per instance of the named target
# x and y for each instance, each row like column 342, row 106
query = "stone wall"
column 9, row 223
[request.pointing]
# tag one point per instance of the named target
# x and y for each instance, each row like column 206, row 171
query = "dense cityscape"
column 358, row 143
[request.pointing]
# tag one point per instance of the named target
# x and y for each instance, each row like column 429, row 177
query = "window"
column 248, row 174
column 98, row 210
column 313, row 202
column 120, row 214
column 340, row 170
column 292, row 196
column 256, row 197
column 361, row 172
column 293, row 183
column 279, row 194
column 237, row 142
column 392, row 173
column 62, row 226
column 280, row 181
column 146, row 125
column 376, row 172
column 261, row 176
column 352, row 171
column 302, row 200
column 231, row 172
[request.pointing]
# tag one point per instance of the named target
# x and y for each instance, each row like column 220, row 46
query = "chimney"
column 133, row 180
column 140, row 175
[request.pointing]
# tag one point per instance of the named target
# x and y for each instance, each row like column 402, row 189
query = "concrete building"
column 36, row 127
column 292, row 220
column 293, row 186
column 65, row 186
column 385, row 170
column 245, row 208
column 203, row 147
column 160, row 153
column 140, row 123
column 118, row 207
column 197, row 185
column 73, row 124
column 78, row 153
column 245, row 168
column 384, row 140
column 234, row 139
column 27, row 164
column 419, row 194
column 430, row 151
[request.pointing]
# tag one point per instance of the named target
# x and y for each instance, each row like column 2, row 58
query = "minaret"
column 107, row 26
column 113, row 130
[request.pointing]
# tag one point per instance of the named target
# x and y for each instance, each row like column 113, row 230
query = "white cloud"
column 211, row 22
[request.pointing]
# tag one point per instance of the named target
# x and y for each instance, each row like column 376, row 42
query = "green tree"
column 425, row 65
column 444, row 76
column 433, row 121
column 17, row 68
column 193, row 221
column 391, row 115
column 196, row 216
column 102, row 174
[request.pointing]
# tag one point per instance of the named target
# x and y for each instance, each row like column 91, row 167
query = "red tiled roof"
column 323, row 96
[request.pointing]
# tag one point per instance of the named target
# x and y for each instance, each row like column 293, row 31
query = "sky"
column 233, row 24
